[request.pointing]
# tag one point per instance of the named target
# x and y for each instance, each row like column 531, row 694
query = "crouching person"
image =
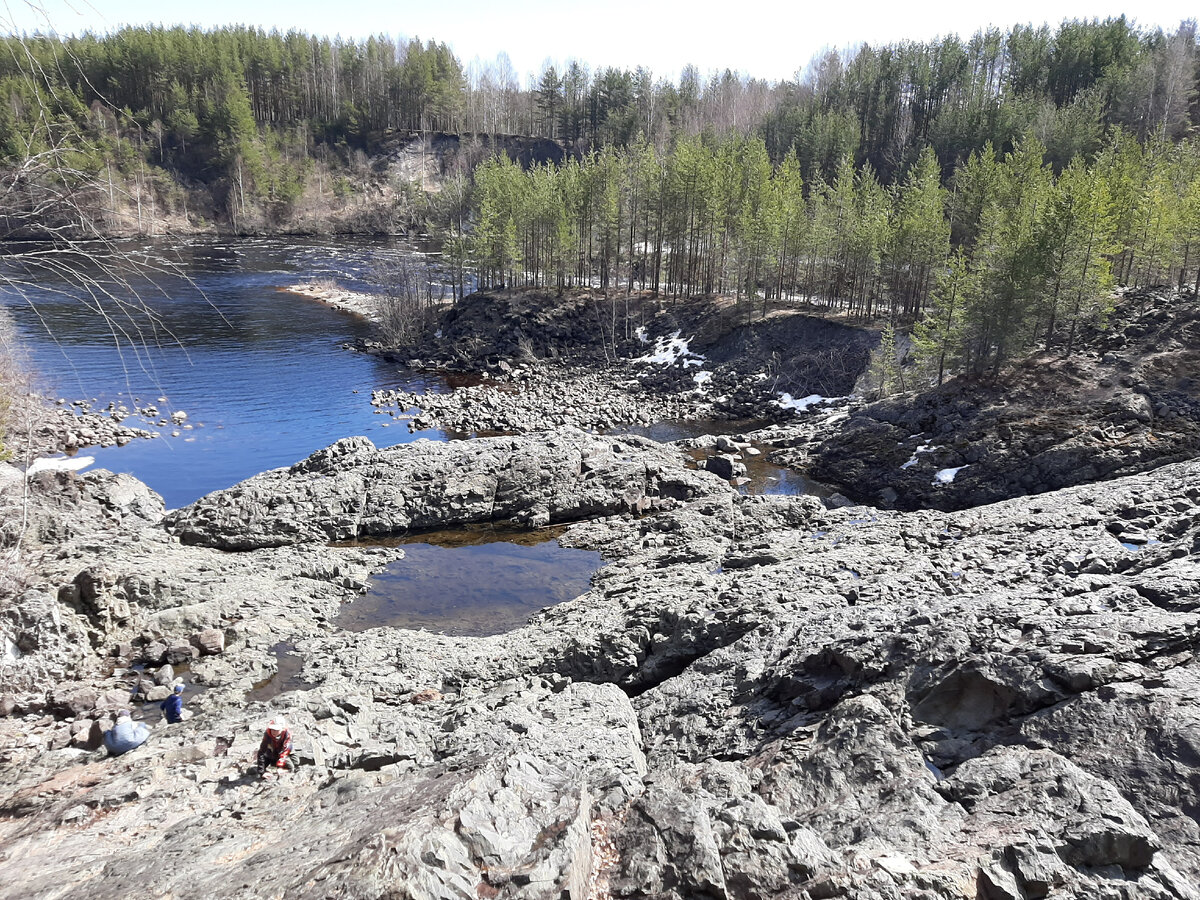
column 172, row 707
column 125, row 734
column 275, row 751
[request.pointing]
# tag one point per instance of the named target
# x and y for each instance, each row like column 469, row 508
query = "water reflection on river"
column 261, row 373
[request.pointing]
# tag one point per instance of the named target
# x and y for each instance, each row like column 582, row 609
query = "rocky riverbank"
column 38, row 427
column 584, row 361
column 354, row 302
column 540, row 397
column 537, row 396
column 351, row 490
column 757, row 697
column 1127, row 400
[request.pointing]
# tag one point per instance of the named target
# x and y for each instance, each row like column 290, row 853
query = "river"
column 261, row 373
column 265, row 380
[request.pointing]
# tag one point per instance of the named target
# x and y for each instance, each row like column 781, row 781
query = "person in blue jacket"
column 125, row 734
column 172, row 707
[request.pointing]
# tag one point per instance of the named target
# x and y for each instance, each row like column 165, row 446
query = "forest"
column 989, row 191
column 1010, row 254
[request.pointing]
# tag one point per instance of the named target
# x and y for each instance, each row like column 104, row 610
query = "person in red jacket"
column 275, row 751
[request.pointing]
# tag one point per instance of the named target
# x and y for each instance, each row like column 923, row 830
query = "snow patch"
column 786, row 401
column 945, row 476
column 669, row 351
column 924, row 448
column 702, row 377
column 59, row 464
column 640, row 334
column 9, row 651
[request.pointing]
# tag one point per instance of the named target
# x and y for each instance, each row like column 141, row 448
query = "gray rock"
column 726, row 467
column 210, row 641
column 757, row 697
column 154, row 653
column 181, row 653
column 352, row 490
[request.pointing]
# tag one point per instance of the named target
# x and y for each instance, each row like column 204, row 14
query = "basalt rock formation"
column 758, row 697
column 351, row 489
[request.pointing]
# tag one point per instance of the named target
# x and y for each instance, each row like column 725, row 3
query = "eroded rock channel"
column 756, row 697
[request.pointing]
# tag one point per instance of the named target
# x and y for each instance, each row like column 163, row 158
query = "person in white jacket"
column 125, row 734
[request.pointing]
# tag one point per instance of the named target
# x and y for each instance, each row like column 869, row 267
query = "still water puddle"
column 471, row 582
column 762, row 477
column 286, row 677
column 765, row 477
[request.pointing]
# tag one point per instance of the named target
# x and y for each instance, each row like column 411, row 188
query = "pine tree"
column 1078, row 236
column 1009, row 260
column 939, row 339
column 921, row 235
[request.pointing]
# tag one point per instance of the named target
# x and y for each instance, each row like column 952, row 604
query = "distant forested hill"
column 987, row 192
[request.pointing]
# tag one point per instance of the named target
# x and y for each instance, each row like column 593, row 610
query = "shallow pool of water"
column 762, row 477
column 471, row 582
column 286, row 677
column 765, row 477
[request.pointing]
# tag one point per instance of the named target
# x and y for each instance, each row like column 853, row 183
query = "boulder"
column 726, row 467
column 74, row 698
column 181, row 653
column 209, row 642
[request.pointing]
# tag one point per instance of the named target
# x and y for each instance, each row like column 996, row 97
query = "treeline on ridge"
column 251, row 109
column 1008, row 255
column 990, row 189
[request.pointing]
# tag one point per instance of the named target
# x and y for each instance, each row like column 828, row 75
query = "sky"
column 771, row 40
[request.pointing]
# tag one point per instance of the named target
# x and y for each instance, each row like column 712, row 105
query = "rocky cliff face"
column 1128, row 400
column 758, row 697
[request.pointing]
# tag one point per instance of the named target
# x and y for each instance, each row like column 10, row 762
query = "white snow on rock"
column 640, row 334
column 895, row 864
column 702, row 377
column 669, row 351
column 945, row 476
column 786, row 401
column 9, row 651
column 62, row 463
column 924, row 448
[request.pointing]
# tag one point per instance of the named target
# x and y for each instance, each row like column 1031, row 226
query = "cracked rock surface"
column 350, row 489
column 758, row 697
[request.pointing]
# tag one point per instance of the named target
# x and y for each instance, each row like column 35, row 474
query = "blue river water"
column 261, row 373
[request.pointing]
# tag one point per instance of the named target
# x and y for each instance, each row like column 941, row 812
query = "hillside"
column 1128, row 402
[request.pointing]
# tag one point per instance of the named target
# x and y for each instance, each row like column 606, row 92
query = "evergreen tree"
column 939, row 339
